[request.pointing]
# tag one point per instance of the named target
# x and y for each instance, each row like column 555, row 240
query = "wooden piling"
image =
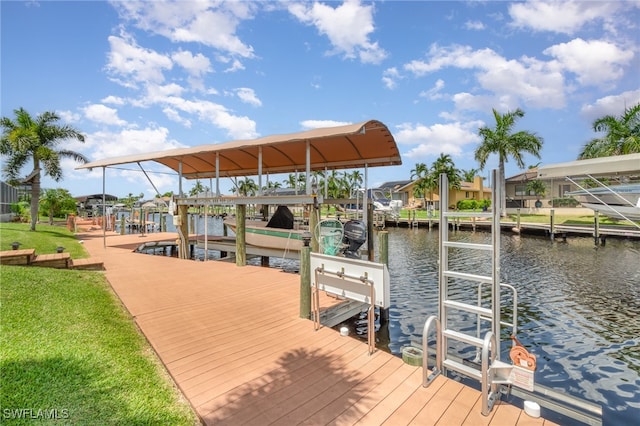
column 241, row 250
column 383, row 248
column 552, row 223
column 305, row 282
column 596, row 226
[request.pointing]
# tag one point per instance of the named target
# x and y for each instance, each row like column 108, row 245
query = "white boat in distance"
column 617, row 201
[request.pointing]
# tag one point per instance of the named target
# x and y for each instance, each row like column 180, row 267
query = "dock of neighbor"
column 232, row 339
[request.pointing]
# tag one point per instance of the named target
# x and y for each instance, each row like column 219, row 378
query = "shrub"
column 563, row 202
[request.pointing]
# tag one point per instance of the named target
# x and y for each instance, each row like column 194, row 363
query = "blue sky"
column 138, row 77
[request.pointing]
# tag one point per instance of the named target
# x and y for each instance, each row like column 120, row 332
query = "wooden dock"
column 233, row 341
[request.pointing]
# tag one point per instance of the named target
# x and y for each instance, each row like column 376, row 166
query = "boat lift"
column 496, row 376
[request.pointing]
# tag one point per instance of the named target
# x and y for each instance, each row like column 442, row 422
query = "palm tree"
column 247, row 187
column 469, row 175
column 501, row 141
column 56, row 201
column 25, row 138
column 538, row 188
column 444, row 164
column 198, row 188
column 622, row 135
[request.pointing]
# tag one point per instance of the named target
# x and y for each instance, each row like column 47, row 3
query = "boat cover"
column 282, row 218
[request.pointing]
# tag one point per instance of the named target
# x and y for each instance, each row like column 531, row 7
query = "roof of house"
column 524, row 176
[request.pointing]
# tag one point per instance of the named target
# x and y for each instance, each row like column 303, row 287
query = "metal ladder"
column 492, row 372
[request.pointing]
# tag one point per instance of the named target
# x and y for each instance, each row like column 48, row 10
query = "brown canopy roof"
column 345, row 147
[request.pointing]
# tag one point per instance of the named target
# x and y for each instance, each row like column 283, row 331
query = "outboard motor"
column 355, row 234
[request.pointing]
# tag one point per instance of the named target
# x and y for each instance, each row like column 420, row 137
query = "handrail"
column 426, row 380
column 513, row 324
column 487, row 400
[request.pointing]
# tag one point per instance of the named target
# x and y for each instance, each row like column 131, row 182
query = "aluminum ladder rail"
column 492, row 371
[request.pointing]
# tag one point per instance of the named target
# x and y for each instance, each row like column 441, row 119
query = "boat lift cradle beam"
column 601, row 201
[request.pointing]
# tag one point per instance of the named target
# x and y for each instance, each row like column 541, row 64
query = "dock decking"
column 233, row 341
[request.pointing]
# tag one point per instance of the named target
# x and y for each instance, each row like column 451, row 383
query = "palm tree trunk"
column 503, row 195
column 35, row 200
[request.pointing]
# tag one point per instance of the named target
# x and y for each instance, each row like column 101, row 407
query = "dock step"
column 465, row 369
column 475, row 309
column 87, row 264
column 462, row 337
column 468, row 277
column 17, row 257
column 55, row 260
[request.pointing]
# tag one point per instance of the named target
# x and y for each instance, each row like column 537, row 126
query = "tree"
column 469, row 175
column 26, row 138
column 537, row 187
column 247, row 187
column 444, row 164
column 622, row 135
column 198, row 188
column 501, row 141
column 56, row 202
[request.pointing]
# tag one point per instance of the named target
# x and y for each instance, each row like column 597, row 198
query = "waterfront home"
column 468, row 191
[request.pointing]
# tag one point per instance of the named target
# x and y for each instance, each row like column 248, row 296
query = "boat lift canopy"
column 365, row 144
column 617, row 165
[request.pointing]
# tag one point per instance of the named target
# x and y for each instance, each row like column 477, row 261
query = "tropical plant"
column 622, row 135
column 56, row 202
column 444, row 164
column 469, row 175
column 501, row 141
column 247, row 187
column 198, row 188
column 27, row 138
column 537, row 187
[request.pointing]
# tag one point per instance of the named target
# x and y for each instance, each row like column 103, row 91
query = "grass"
column 69, row 349
column 45, row 239
column 528, row 218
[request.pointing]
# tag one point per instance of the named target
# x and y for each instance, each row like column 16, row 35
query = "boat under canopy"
column 617, row 165
column 616, row 201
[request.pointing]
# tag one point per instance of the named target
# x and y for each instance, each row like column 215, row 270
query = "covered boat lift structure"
column 613, row 167
column 365, row 144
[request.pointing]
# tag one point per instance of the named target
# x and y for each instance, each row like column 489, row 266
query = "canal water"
column 578, row 307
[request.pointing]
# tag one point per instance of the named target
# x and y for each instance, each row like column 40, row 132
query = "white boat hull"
column 616, row 212
column 257, row 234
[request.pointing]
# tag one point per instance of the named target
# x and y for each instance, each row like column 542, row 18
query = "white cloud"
column 248, row 96
column 114, row 100
column 128, row 61
column 130, row 141
column 527, row 80
column 69, row 116
column 390, row 77
column 611, row 105
column 174, row 115
column 434, row 92
column 474, row 25
column 565, row 17
column 450, row 138
column 348, row 27
column 195, row 65
column 210, row 23
column 103, row 115
column 317, row 124
column 595, row 62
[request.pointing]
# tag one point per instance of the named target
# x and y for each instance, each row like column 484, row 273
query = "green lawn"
column 69, row 349
column 45, row 239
